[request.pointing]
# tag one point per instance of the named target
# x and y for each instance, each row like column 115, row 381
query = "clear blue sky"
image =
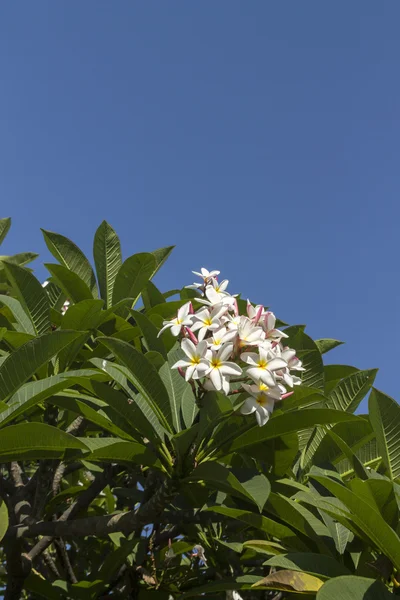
column 260, row 137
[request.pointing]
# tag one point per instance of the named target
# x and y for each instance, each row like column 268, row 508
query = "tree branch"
column 97, row 526
column 82, row 502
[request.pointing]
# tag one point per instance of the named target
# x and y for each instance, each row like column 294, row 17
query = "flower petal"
column 248, row 407
column 216, row 378
column 189, row 348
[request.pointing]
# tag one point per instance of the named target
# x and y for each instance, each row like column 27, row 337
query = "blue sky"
column 262, row 138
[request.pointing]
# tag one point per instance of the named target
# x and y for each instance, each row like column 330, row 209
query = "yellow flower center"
column 261, row 399
column 262, row 387
column 262, row 364
column 207, row 322
column 195, row 360
column 216, row 363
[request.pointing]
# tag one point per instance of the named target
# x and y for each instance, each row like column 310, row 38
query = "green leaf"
column 290, row 581
column 31, row 394
column 120, row 404
column 353, row 588
column 142, row 417
column 19, row 314
column 176, row 386
column 71, row 257
column 149, row 332
column 133, row 276
column 35, row 441
column 160, row 256
column 298, row 517
column 188, row 406
column 366, row 518
column 71, row 284
column 326, row 344
column 56, row 296
column 92, row 415
column 243, row 582
column 117, row 451
column 384, row 413
column 5, row 225
column 3, row 519
column 273, row 528
column 144, row 377
column 315, row 564
column 152, row 296
column 32, row 296
column 348, row 394
column 345, row 396
column 108, row 260
column 334, row 373
column 44, row 589
column 21, row 259
column 308, row 351
column 288, row 422
column 351, row 456
column 224, row 480
column 24, row 362
column 83, row 316
column 380, row 494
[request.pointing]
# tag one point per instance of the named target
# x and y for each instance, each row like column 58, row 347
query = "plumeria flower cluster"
column 224, row 349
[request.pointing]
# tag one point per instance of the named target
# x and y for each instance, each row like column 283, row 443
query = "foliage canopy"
column 119, row 480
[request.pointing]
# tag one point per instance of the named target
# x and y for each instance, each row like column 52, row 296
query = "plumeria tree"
column 183, row 443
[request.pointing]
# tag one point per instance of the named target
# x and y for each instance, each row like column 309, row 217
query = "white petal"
column 230, row 368
column 202, row 333
column 181, row 363
column 225, row 351
column 248, row 407
column 189, row 348
column 267, row 378
column 184, row 310
column 216, row 378
column 251, row 358
column 167, row 325
column 276, row 363
column 189, row 372
column 262, row 415
column 176, row 329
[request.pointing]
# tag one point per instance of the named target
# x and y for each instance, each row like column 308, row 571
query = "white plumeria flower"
column 268, row 324
column 219, row 367
column 196, row 366
column 274, row 392
column 255, row 313
column 249, row 334
column 213, row 297
column 183, row 319
column 205, row 274
column 262, row 366
column 206, row 320
column 221, row 336
column 293, row 363
column 260, row 402
column 220, row 287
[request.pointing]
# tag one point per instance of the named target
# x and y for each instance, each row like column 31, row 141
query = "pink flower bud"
column 191, row 336
column 287, row 395
column 191, row 310
column 181, row 372
column 258, row 315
